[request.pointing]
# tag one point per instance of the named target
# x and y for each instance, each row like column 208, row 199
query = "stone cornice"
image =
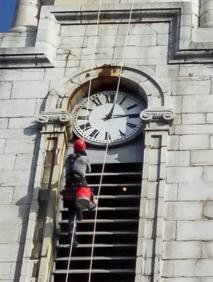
column 36, row 60
column 172, row 16
column 19, row 58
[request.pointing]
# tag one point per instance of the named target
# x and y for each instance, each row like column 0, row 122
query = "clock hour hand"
column 127, row 115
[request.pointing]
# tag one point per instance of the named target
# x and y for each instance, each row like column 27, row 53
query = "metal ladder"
column 116, row 231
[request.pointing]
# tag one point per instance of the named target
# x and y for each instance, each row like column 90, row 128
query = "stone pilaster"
column 206, row 13
column 149, row 255
column 38, row 253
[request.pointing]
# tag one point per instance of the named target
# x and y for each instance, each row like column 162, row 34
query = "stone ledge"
column 23, row 58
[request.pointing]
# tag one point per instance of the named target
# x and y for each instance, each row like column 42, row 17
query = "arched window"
column 7, row 14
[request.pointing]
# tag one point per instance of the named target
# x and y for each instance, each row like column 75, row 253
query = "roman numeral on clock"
column 94, row 133
column 110, row 98
column 83, row 117
column 85, row 126
column 84, row 108
column 96, row 101
column 132, row 125
column 124, row 98
column 132, row 107
column 134, row 115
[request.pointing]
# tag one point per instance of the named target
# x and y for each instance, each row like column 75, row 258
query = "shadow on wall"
column 24, row 203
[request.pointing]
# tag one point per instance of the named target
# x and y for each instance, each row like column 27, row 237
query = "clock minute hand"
column 109, row 115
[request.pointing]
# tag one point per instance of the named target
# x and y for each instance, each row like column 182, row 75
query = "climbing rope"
column 108, row 141
column 88, row 96
column 96, row 210
column 71, row 245
column 122, row 58
column 93, row 60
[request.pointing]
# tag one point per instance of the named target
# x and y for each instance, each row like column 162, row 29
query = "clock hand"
column 127, row 115
column 109, row 115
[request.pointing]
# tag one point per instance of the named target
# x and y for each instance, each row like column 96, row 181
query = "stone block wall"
column 181, row 63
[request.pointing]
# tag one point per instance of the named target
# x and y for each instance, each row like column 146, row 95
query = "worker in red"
column 77, row 165
column 77, row 193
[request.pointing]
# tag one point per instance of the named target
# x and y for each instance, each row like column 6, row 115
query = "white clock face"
column 98, row 120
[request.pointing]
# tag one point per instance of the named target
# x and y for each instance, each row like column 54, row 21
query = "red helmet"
column 79, row 145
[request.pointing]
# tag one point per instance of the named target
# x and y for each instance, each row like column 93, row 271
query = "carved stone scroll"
column 56, row 117
column 162, row 114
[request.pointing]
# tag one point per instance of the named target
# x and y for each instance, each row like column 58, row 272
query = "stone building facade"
column 163, row 51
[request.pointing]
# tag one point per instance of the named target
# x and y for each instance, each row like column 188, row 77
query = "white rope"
column 107, row 145
column 93, row 60
column 71, row 245
column 96, row 210
column 88, row 95
column 122, row 58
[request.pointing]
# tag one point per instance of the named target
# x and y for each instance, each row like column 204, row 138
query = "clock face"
column 99, row 120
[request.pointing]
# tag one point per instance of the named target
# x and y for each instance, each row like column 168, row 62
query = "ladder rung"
column 110, row 209
column 113, row 173
column 86, row 233
column 117, row 185
column 94, row 258
column 101, row 220
column 98, row 245
column 119, row 196
column 122, row 270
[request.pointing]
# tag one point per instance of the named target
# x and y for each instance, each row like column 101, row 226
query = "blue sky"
column 7, row 12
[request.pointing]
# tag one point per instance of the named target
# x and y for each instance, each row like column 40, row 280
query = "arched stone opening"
column 146, row 85
column 55, row 133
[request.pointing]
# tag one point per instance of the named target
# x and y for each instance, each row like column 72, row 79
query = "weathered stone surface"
column 10, row 233
column 178, row 158
column 184, row 174
column 3, row 122
column 2, row 145
column 6, row 194
column 200, row 267
column 8, row 252
column 5, row 90
column 5, row 269
column 188, row 142
column 181, row 250
column 22, row 122
column 200, row 157
column 195, row 230
column 15, row 108
column 183, row 211
column 29, row 89
column 193, row 118
column 195, row 191
column 19, row 146
column 8, row 161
